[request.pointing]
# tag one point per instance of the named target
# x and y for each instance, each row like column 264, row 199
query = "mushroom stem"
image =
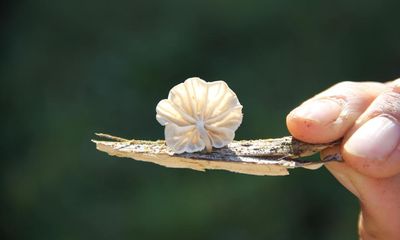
column 204, row 135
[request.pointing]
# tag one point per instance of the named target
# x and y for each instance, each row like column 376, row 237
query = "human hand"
column 367, row 116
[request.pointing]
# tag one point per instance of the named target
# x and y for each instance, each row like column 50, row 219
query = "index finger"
column 330, row 114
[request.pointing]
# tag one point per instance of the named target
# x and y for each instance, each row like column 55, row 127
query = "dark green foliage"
column 72, row 68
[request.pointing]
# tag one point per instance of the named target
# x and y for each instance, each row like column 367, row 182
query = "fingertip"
column 314, row 121
column 374, row 148
column 330, row 114
column 304, row 129
column 374, row 168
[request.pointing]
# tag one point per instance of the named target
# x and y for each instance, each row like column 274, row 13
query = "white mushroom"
column 198, row 115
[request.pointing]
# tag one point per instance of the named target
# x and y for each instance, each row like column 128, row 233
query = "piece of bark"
column 256, row 157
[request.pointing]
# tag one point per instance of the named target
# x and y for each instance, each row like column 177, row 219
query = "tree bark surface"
column 262, row 157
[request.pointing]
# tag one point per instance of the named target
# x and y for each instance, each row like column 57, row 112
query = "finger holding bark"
column 329, row 115
column 372, row 146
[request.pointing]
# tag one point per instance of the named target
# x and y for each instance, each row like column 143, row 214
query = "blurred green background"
column 72, row 68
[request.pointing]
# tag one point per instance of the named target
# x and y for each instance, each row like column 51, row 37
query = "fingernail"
column 376, row 139
column 321, row 111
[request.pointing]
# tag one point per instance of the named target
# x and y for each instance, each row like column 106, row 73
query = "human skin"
column 367, row 116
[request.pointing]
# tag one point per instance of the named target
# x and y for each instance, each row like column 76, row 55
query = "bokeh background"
column 70, row 68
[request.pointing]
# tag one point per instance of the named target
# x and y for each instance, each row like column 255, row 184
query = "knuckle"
column 346, row 84
column 396, row 86
column 396, row 81
column 342, row 90
column 388, row 104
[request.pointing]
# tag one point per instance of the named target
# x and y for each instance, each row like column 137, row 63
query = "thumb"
column 379, row 198
column 372, row 146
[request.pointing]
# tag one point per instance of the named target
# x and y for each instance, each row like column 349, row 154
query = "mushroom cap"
column 198, row 115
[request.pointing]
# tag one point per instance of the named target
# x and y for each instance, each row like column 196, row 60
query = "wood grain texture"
column 262, row 157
